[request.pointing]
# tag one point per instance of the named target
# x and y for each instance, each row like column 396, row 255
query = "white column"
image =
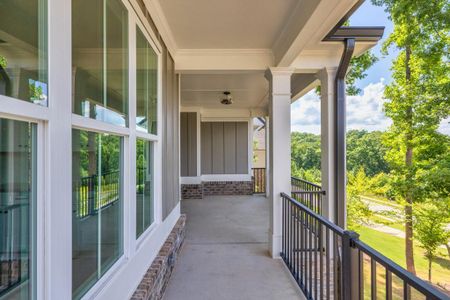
column 279, row 150
column 327, row 121
column 58, row 207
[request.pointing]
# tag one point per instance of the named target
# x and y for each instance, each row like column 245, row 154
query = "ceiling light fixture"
column 228, row 98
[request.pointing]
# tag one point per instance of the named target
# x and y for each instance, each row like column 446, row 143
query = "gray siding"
column 206, row 147
column 171, row 165
column 224, row 147
column 188, row 146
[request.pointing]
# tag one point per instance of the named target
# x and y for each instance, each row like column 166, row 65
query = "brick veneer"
column 215, row 188
column 154, row 283
column 191, row 191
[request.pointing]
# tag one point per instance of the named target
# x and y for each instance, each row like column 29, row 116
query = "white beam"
column 191, row 60
column 308, row 25
column 279, row 150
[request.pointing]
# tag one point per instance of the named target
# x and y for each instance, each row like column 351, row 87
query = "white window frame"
column 149, row 137
column 55, row 123
column 129, row 135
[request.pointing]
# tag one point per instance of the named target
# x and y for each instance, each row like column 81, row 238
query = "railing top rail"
column 320, row 218
column 307, row 182
column 308, row 192
column 412, row 280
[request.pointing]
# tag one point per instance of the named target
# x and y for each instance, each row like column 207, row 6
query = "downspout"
column 340, row 176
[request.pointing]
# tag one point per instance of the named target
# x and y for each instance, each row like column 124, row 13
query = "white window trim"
column 54, row 127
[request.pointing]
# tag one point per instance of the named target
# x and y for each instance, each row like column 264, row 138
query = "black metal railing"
column 259, row 180
column 328, row 262
column 96, row 192
column 14, row 250
column 298, row 184
column 307, row 193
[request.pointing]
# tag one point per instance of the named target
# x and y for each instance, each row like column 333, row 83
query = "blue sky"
column 364, row 111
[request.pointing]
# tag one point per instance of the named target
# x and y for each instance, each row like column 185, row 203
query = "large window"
column 144, row 186
column 146, row 83
column 17, row 209
column 23, row 50
column 97, row 207
column 100, row 60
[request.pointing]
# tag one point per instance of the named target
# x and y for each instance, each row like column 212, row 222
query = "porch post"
column 327, row 121
column 279, row 150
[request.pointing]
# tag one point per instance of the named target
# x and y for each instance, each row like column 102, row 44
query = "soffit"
column 230, row 24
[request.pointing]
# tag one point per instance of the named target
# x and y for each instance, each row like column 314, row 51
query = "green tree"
column 3, row 62
column 430, row 222
column 356, row 207
column 418, row 97
column 365, row 149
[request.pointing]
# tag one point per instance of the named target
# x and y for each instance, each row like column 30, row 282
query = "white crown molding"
column 224, row 52
column 188, row 60
column 160, row 20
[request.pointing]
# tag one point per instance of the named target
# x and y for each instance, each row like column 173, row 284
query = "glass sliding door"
column 144, row 186
column 100, row 60
column 23, row 50
column 97, row 219
column 17, row 209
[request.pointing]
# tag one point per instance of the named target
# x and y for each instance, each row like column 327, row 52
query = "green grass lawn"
column 394, row 248
column 379, row 220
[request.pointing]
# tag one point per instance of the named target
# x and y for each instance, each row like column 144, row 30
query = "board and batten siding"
column 224, row 147
column 188, row 144
column 170, row 147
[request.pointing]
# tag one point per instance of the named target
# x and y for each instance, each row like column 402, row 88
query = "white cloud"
column 445, row 126
column 366, row 111
column 363, row 111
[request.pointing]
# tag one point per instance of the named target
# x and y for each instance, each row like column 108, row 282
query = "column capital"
column 326, row 73
column 279, row 80
column 278, row 71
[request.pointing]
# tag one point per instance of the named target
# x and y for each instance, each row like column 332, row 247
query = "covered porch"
column 225, row 253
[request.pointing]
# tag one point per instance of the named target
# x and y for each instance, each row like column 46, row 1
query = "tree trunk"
column 448, row 249
column 430, row 261
column 409, row 245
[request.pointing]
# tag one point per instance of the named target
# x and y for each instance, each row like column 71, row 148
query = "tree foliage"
column 418, row 98
column 3, row 62
column 365, row 149
column 430, row 223
column 357, row 209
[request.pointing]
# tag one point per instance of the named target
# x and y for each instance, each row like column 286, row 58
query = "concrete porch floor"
column 225, row 255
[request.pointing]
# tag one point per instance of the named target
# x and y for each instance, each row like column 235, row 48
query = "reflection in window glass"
column 17, row 209
column 100, row 60
column 144, row 186
column 146, row 85
column 23, row 50
column 97, row 207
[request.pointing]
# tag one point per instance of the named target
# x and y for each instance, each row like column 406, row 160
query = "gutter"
column 349, row 36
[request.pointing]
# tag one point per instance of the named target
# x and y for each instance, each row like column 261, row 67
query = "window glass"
column 97, row 207
column 23, row 50
column 146, row 85
column 100, row 60
column 17, row 209
column 144, row 186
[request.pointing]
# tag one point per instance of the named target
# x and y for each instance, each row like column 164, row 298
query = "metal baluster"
column 388, row 285
column 373, row 278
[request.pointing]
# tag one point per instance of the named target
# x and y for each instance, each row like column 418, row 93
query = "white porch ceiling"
column 230, row 24
column 249, row 90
